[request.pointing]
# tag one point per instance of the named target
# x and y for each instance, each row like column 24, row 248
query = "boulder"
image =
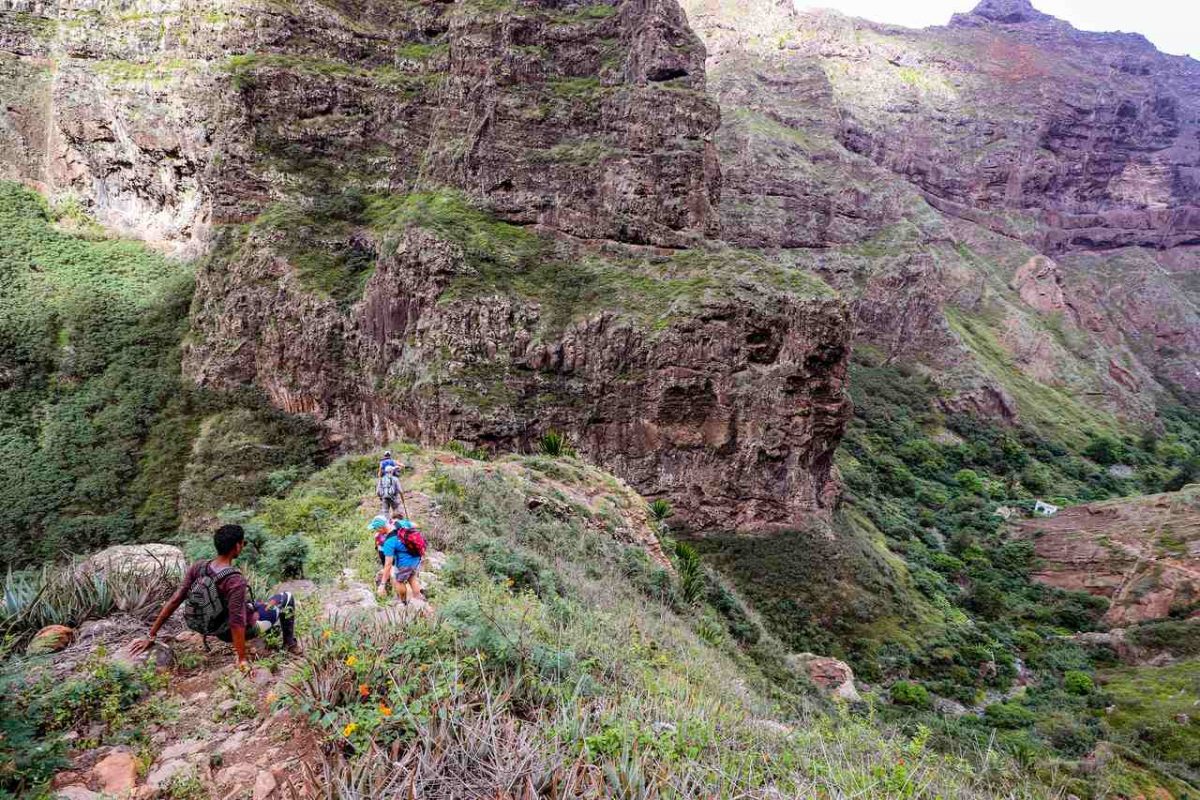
column 265, row 785
column 238, row 775
column 76, row 792
column 949, row 708
column 163, row 774
column 116, row 774
column 832, row 677
column 183, row 749
column 146, row 559
column 159, row 654
column 50, row 639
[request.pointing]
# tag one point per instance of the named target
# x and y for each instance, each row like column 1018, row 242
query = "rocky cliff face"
column 1005, row 197
column 470, row 220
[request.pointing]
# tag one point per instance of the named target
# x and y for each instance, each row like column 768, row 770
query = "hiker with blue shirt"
column 402, row 550
column 387, row 461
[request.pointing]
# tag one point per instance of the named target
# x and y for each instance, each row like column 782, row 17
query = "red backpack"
column 413, row 541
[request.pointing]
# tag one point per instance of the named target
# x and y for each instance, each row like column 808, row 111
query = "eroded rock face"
column 1143, row 554
column 179, row 122
column 731, row 406
column 174, row 117
column 1006, row 168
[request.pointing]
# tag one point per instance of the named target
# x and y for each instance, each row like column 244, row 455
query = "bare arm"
column 238, row 634
column 169, row 608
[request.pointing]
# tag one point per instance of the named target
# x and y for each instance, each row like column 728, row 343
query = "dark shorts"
column 260, row 618
column 404, row 573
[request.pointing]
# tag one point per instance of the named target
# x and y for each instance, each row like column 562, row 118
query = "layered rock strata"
column 269, row 134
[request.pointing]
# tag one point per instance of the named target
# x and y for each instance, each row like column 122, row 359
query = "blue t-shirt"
column 387, row 462
column 399, row 554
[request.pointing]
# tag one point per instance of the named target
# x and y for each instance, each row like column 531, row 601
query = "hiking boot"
column 293, row 647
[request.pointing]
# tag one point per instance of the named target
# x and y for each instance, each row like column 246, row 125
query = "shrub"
column 969, row 481
column 660, row 510
column 61, row 596
column 521, row 570
column 1009, row 716
column 907, row 693
column 1078, row 683
column 1105, row 450
column 286, row 557
column 1178, row 637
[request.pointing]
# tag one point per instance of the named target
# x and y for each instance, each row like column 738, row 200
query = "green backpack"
column 206, row 612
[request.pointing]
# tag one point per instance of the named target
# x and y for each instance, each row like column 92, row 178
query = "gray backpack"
column 206, row 612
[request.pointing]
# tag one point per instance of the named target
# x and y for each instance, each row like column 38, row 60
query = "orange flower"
column 383, row 709
column 363, row 690
column 325, row 634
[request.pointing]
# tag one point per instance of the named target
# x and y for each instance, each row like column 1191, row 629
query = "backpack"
column 413, row 542
column 206, row 612
column 388, row 486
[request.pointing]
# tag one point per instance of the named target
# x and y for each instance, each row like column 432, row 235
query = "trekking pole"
column 403, row 505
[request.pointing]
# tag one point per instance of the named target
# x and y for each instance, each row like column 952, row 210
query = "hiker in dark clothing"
column 388, row 490
column 239, row 618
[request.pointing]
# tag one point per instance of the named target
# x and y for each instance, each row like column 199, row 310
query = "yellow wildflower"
column 351, row 660
column 349, row 729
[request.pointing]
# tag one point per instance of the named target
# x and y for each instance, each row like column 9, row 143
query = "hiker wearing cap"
column 387, row 461
column 388, row 491
column 381, row 526
column 403, row 550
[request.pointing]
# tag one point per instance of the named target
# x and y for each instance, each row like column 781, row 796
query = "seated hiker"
column 219, row 601
column 388, row 491
column 387, row 461
column 403, row 549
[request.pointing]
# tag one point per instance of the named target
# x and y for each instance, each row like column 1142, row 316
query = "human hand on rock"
column 138, row 646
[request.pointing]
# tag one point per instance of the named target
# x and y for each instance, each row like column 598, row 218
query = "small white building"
column 1045, row 509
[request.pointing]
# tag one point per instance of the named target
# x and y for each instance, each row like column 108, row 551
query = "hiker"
column 382, row 527
column 388, row 489
column 403, row 550
column 220, row 602
column 387, row 461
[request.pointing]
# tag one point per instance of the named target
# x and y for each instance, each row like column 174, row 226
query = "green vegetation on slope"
column 334, row 241
column 1156, row 713
column 590, row 657
column 96, row 425
column 89, row 339
column 932, row 484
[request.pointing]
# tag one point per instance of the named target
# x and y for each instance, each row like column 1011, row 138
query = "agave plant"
column 555, row 444
column 69, row 595
column 691, row 573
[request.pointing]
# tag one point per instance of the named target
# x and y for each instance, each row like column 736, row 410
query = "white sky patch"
column 1173, row 25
